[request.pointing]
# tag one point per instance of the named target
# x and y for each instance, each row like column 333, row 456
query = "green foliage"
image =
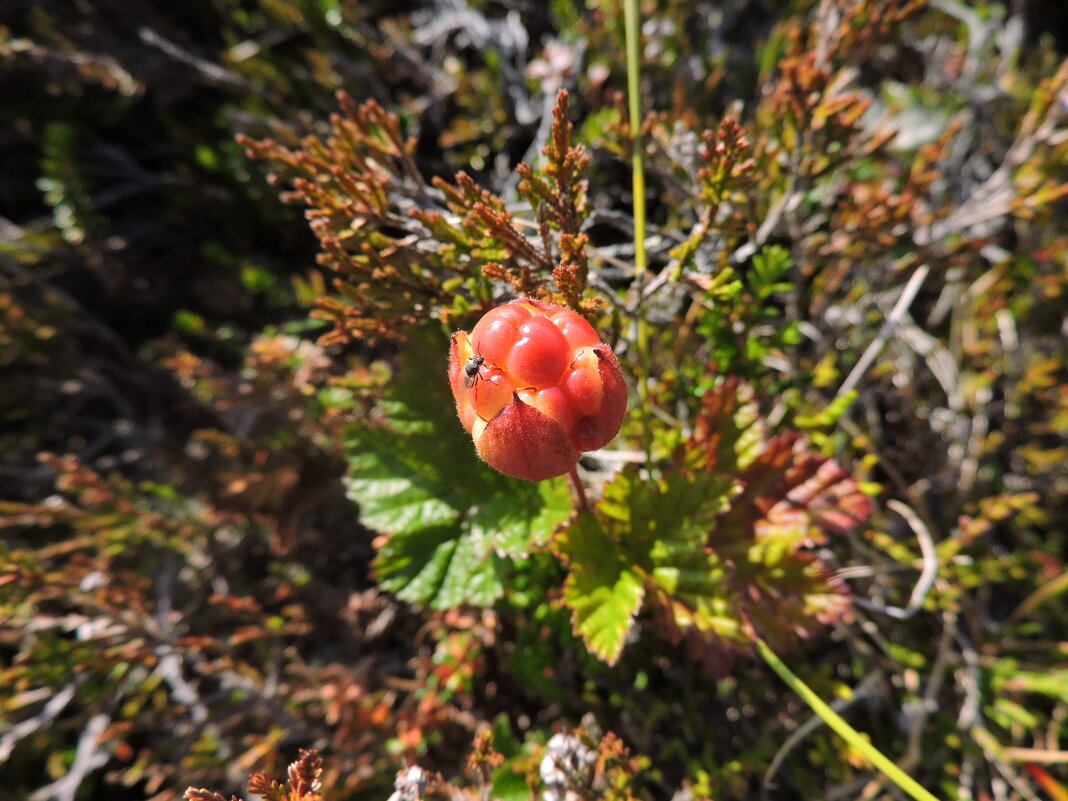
column 744, row 321
column 769, row 266
column 61, row 185
column 714, row 543
column 453, row 523
column 603, row 588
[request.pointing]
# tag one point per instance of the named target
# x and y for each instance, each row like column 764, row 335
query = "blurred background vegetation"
column 185, row 593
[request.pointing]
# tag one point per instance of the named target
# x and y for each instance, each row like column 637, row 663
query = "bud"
column 535, row 386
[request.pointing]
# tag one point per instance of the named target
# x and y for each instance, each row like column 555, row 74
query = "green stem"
column 641, row 262
column 843, row 729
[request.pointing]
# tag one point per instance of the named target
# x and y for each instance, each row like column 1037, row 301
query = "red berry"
column 535, row 386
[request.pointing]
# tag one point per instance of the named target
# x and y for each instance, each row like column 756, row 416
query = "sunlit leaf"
column 451, row 522
column 603, row 591
column 718, row 541
column 646, row 536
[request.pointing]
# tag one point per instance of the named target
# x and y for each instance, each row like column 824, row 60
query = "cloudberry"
column 535, row 386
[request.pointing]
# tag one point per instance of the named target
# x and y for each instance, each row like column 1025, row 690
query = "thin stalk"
column 843, row 729
column 641, row 261
column 581, row 503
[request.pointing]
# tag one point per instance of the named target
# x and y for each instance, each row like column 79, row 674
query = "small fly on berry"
column 474, row 364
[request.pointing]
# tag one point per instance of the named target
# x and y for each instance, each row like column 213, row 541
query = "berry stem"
column 580, row 494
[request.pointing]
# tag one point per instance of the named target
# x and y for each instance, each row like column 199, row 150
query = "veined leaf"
column 603, row 591
column 730, row 433
column 716, row 545
column 644, row 535
column 451, row 521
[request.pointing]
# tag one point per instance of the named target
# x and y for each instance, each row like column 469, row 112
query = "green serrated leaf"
column 510, row 784
column 648, row 534
column 452, row 522
column 717, row 542
column 731, row 433
column 413, row 566
column 695, row 581
column 603, row 593
column 473, row 576
column 396, row 489
column 514, row 524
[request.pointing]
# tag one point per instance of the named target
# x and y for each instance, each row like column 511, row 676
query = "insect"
column 474, row 364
